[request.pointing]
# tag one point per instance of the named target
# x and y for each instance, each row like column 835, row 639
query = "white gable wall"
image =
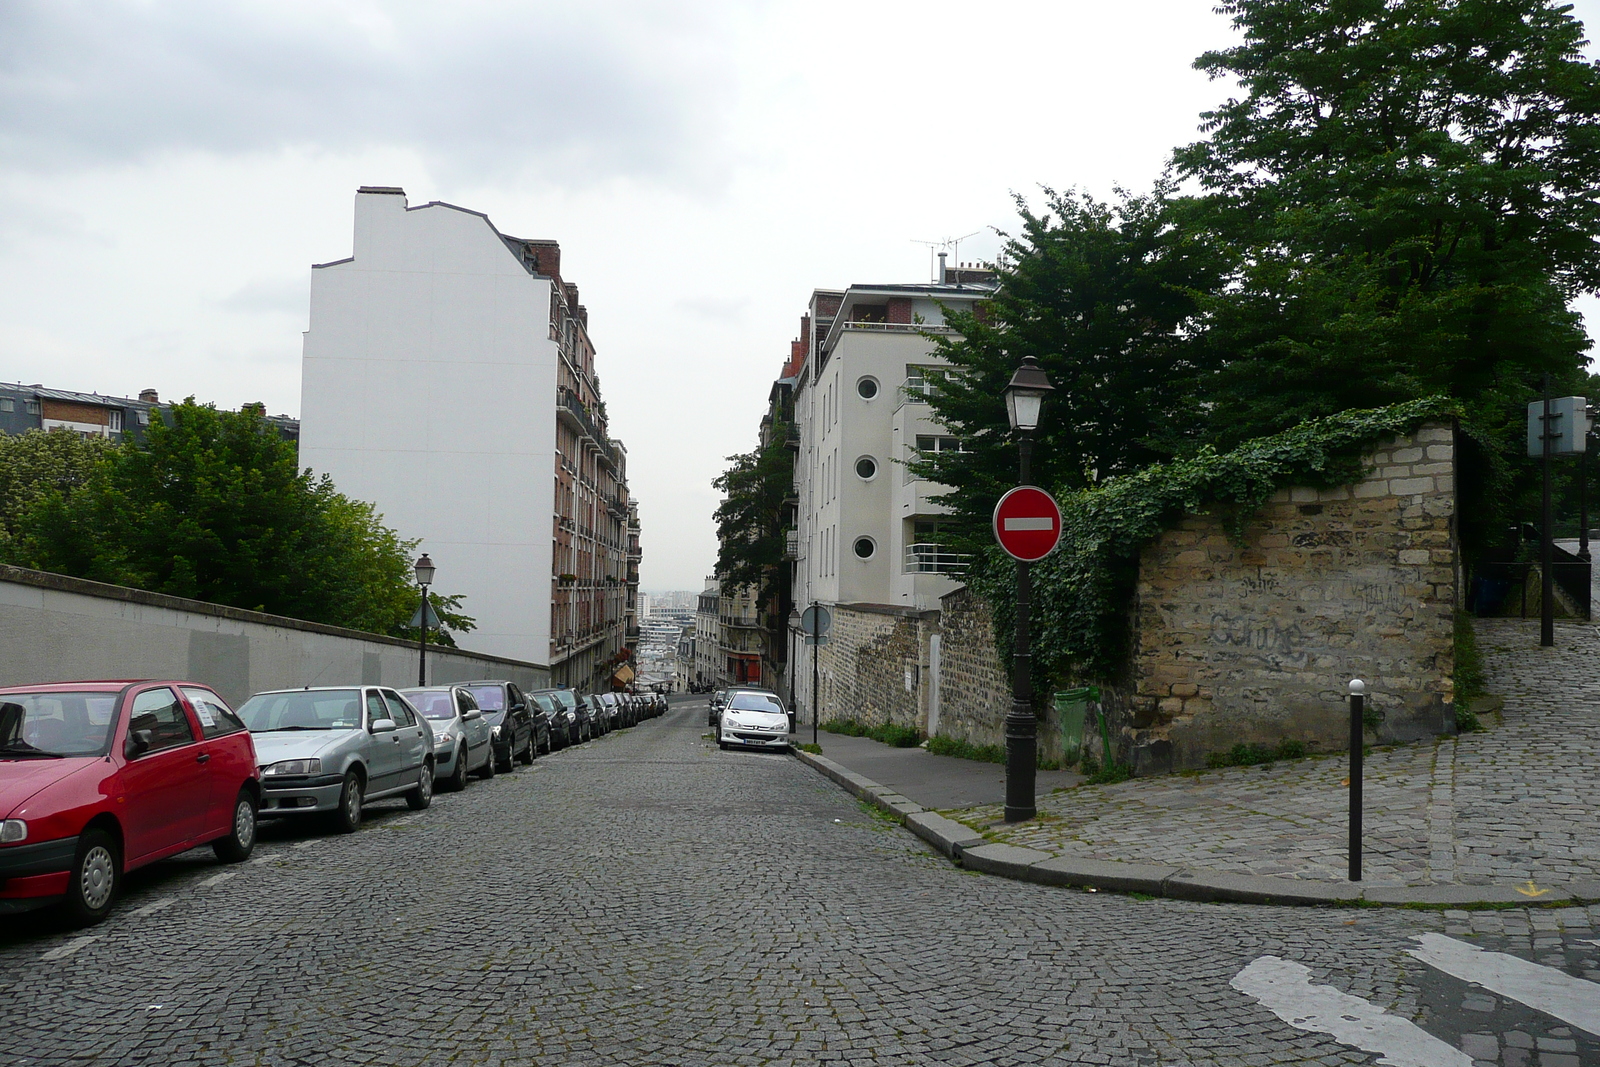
column 428, row 388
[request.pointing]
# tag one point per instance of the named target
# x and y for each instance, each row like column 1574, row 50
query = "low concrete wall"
column 54, row 628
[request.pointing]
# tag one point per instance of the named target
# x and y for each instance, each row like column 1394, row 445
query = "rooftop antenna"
column 951, row 245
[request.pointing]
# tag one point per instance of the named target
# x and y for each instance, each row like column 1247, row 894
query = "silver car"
column 463, row 742
column 331, row 750
column 753, row 719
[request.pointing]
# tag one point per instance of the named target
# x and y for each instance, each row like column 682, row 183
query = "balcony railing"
column 935, row 559
column 895, row 327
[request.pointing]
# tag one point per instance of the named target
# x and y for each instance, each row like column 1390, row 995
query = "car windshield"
column 433, row 703
column 44, row 725
column 755, row 702
column 307, row 709
column 489, row 697
column 566, row 697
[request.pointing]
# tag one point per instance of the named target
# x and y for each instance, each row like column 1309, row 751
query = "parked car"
column 718, row 699
column 463, row 743
column 511, row 724
column 579, row 727
column 618, row 709
column 100, row 778
column 659, row 705
column 599, row 714
column 560, row 721
column 753, row 719
column 332, row 750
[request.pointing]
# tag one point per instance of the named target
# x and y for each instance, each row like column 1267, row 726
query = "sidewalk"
column 933, row 782
column 1516, row 803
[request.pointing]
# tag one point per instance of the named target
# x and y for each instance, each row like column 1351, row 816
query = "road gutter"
column 968, row 849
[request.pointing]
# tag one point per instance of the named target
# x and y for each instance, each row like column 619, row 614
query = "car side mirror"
column 383, row 726
column 469, row 715
column 519, row 707
column 138, row 743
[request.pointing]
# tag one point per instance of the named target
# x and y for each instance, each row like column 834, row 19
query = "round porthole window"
column 865, row 547
column 867, row 388
column 866, row 468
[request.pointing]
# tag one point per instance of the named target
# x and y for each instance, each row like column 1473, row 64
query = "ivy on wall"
column 1083, row 592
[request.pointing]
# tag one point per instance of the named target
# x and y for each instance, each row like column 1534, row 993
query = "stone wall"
column 54, row 628
column 1253, row 641
column 974, row 686
column 873, row 665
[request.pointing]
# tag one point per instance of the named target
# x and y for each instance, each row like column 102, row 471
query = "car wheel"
column 487, row 771
column 421, row 796
column 531, row 752
column 458, row 776
column 723, row 745
column 347, row 820
column 96, row 877
column 241, row 840
column 507, row 765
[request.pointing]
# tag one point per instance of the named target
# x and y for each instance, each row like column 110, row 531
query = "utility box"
column 1568, row 429
column 1072, row 707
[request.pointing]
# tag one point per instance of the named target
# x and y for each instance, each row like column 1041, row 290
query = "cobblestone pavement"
column 649, row 900
column 1517, row 801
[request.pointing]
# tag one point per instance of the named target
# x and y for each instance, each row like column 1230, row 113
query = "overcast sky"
column 170, row 170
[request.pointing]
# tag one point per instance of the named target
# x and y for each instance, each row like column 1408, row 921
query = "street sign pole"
column 815, row 623
column 1027, row 524
column 816, row 643
column 1547, row 555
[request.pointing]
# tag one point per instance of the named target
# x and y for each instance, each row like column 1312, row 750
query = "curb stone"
column 969, row 849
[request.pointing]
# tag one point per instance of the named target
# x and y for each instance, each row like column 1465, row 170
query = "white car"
column 753, row 720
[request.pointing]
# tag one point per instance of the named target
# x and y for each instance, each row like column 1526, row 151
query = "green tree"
column 35, row 464
column 1104, row 296
column 750, row 520
column 1411, row 187
column 213, row 506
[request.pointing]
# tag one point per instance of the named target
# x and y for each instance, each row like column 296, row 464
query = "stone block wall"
column 873, row 666
column 1254, row 641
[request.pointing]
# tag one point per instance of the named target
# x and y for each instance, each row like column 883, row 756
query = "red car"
column 99, row 778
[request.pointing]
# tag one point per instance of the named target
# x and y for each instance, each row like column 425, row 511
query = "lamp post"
column 424, row 567
column 1024, row 397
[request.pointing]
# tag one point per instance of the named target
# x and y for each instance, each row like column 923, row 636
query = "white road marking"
column 218, row 879
column 1284, row 988
column 63, row 951
column 155, row 906
column 1546, row 989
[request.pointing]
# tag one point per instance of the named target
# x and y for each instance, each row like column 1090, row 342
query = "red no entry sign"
column 1027, row 523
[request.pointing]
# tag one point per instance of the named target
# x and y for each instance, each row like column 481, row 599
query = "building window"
column 114, row 420
column 144, row 416
column 7, row 404
column 867, row 388
column 866, row 468
column 926, row 443
column 865, row 548
column 32, row 406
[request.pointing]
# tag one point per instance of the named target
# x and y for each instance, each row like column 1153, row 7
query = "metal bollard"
column 1358, row 690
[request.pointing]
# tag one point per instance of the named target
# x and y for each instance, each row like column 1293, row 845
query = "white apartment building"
column 868, row 532
column 448, row 378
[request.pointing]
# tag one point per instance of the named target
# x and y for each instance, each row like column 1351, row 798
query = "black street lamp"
column 1024, row 397
column 424, row 567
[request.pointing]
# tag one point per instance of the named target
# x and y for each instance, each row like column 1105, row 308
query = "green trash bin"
column 1072, row 707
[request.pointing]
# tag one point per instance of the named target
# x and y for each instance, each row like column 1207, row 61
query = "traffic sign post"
column 1027, row 523
column 815, row 622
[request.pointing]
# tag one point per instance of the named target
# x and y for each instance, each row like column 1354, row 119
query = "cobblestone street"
column 1518, row 801
column 647, row 899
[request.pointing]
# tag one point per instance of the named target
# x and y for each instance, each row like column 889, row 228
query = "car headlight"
column 496, row 732
column 12, row 831
column 293, row 767
column 441, row 739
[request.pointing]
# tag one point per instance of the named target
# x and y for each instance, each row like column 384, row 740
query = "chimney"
column 940, row 279
column 149, row 396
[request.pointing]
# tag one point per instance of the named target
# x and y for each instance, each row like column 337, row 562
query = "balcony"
column 935, row 559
